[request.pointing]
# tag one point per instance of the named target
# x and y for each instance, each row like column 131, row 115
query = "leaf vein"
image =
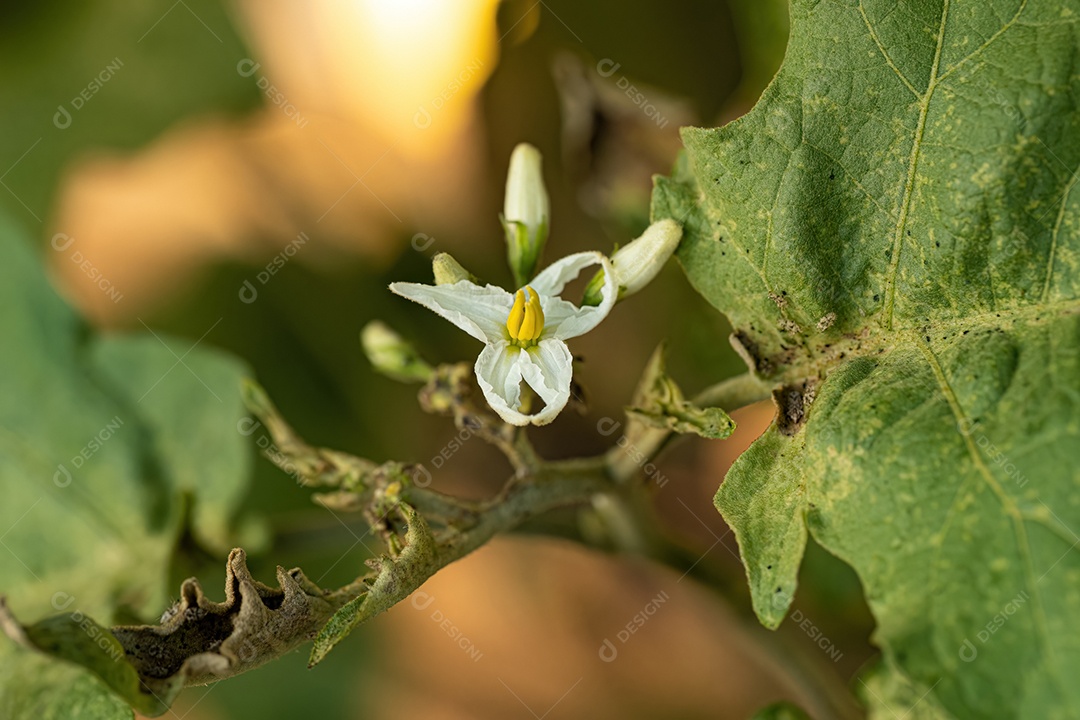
column 913, row 164
column 1016, row 517
column 1056, row 232
column 949, row 71
column 885, row 54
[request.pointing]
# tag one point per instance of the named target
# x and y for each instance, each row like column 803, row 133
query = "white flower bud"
column 526, row 212
column 637, row 263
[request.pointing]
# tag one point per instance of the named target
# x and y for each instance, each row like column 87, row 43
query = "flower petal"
column 479, row 311
column 498, row 372
column 558, row 274
column 548, row 370
column 563, row 319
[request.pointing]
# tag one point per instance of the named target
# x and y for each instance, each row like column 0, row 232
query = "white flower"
column 637, row 263
column 524, row 333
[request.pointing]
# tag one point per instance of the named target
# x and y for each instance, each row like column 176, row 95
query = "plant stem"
column 734, row 393
column 537, row 487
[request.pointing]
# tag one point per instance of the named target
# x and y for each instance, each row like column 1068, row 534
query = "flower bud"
column 448, row 271
column 637, row 263
column 525, row 212
column 389, row 354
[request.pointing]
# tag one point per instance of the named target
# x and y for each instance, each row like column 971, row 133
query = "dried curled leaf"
column 199, row 641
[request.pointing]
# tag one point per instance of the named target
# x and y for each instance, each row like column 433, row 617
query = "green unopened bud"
column 526, row 213
column 448, row 271
column 637, row 263
column 659, row 403
column 393, row 356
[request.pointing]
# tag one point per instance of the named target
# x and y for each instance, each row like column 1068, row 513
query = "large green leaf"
column 107, row 445
column 893, row 232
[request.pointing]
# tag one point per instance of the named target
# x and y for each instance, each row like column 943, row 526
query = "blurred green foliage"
column 170, row 61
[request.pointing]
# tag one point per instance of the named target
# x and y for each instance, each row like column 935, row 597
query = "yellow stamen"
column 535, row 302
column 517, row 314
column 525, row 322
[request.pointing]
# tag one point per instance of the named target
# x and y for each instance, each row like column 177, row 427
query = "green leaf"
column 105, row 443
column 80, row 695
column 200, row 449
column 893, row 232
column 768, row 520
column 79, row 640
column 887, row 694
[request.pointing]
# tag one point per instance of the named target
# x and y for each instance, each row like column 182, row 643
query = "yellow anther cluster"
column 526, row 319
